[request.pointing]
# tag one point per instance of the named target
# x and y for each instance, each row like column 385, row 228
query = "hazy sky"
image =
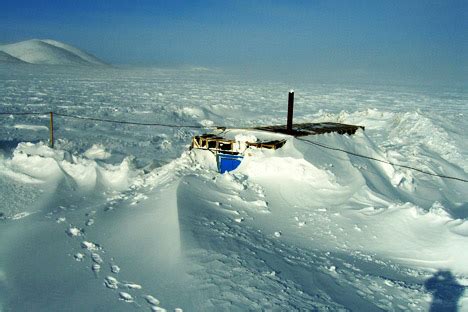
column 407, row 39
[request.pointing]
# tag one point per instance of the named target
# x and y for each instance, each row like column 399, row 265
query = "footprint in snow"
column 78, row 256
column 115, row 268
column 132, row 286
column 93, row 248
column 151, row 300
column 111, row 282
column 125, row 297
column 74, row 231
column 90, row 246
column 154, row 303
column 96, row 258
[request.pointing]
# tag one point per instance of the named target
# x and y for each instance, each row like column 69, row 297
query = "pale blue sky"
column 401, row 39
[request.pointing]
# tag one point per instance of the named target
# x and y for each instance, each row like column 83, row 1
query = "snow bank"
column 346, row 203
column 97, row 151
column 267, row 165
column 38, row 164
column 299, row 228
column 241, row 141
column 44, row 163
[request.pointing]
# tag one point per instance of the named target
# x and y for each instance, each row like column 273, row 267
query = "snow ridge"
column 48, row 52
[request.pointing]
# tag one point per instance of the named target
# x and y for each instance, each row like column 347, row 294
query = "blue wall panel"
column 228, row 162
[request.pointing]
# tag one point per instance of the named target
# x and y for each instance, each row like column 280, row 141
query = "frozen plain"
column 121, row 217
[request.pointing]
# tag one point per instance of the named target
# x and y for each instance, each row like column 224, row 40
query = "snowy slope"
column 294, row 228
column 85, row 56
column 119, row 217
column 48, row 52
column 7, row 58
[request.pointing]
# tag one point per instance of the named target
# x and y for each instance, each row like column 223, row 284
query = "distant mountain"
column 7, row 58
column 46, row 51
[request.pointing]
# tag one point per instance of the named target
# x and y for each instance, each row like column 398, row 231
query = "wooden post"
column 289, row 125
column 51, row 130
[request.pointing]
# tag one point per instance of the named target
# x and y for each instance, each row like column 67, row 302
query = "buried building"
column 230, row 145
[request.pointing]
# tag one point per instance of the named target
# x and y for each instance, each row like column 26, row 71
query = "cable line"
column 23, row 113
column 381, row 160
column 224, row 127
column 133, row 123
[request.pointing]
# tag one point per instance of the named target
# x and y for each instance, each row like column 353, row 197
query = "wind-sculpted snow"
column 55, row 170
column 120, row 217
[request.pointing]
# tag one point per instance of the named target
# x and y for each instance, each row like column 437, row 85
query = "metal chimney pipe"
column 289, row 125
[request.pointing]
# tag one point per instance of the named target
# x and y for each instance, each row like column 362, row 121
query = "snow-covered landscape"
column 120, row 217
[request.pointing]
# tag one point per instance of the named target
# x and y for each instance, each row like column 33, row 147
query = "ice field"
column 122, row 217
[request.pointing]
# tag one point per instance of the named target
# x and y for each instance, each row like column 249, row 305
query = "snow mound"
column 97, row 152
column 342, row 199
column 47, row 52
column 299, row 228
column 47, row 169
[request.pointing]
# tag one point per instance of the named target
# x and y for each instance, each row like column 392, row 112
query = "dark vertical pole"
column 290, row 112
column 51, row 130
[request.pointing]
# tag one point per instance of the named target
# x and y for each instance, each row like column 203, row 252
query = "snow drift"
column 293, row 220
column 118, row 217
column 272, row 232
